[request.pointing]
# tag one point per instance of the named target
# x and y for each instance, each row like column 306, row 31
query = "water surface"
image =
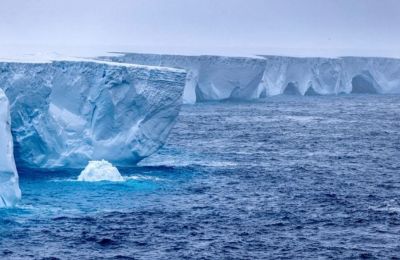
column 297, row 177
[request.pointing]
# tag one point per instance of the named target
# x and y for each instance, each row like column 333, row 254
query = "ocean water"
column 287, row 177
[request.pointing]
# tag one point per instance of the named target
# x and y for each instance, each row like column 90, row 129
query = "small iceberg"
column 100, row 171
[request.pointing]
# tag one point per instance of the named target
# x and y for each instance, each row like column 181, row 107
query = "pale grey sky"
column 309, row 27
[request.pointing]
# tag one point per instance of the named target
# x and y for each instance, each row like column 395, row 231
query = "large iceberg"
column 212, row 78
column 209, row 78
column 311, row 76
column 9, row 188
column 296, row 76
column 65, row 113
column 191, row 64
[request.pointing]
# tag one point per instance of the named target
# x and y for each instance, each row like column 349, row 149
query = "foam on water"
column 187, row 163
column 142, row 178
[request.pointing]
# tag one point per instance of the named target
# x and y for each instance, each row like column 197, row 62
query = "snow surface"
column 100, row 171
column 65, row 113
column 9, row 188
column 212, row 78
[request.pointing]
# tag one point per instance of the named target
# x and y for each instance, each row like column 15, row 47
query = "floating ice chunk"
column 9, row 188
column 100, row 171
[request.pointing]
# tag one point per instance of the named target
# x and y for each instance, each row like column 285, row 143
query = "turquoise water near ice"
column 286, row 177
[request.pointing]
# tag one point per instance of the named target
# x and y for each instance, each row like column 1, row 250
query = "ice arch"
column 364, row 84
column 311, row 92
column 291, row 89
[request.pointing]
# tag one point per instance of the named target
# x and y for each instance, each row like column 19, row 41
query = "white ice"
column 10, row 192
column 209, row 78
column 213, row 78
column 66, row 113
column 100, row 171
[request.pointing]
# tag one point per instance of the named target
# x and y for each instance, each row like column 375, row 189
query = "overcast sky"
column 303, row 27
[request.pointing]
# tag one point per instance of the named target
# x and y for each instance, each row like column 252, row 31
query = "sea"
column 280, row 178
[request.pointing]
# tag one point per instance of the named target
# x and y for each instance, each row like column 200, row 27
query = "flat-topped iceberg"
column 209, row 78
column 65, row 113
column 100, row 171
column 213, row 78
column 326, row 76
column 9, row 188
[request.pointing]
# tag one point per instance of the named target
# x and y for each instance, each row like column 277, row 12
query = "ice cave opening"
column 364, row 84
column 291, row 89
column 311, row 92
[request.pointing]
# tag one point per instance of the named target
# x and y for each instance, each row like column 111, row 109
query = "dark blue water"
column 312, row 177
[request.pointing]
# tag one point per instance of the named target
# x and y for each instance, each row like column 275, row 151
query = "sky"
column 287, row 27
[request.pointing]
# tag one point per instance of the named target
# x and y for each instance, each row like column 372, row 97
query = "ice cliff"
column 212, row 78
column 9, row 188
column 209, row 78
column 313, row 76
column 65, row 113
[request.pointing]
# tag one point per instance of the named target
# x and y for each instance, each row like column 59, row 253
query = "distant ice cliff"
column 212, row 78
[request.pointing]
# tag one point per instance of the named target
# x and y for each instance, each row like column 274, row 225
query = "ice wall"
column 209, row 78
column 298, row 75
column 65, row 113
column 213, row 78
column 9, row 188
column 313, row 76
column 384, row 73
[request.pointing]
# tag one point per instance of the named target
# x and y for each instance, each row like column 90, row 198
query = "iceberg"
column 66, row 113
column 100, row 171
column 215, row 78
column 209, row 78
column 327, row 76
column 298, row 76
column 229, row 78
column 191, row 64
column 10, row 192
